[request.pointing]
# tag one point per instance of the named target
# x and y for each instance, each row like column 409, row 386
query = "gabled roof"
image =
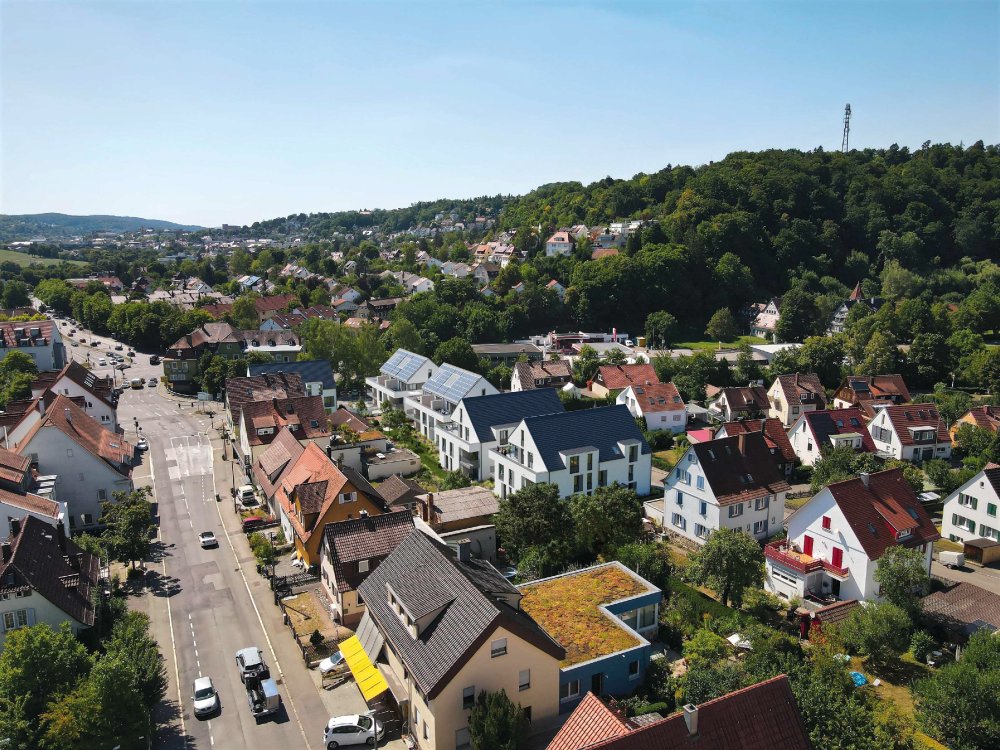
column 800, row 388
column 824, row 424
column 403, row 364
column 32, row 503
column 987, row 417
column 243, row 390
column 764, row 716
column 63, row 414
column 13, row 467
column 101, row 388
column 882, row 507
column 964, row 607
column 485, row 412
column 304, row 415
column 38, row 561
column 657, row 397
column 746, row 398
column 906, row 416
column 774, row 435
column 452, row 383
column 615, row 377
column 834, row 613
column 473, row 598
column 601, row 428
column 283, row 452
column 460, row 504
column 592, row 721
column 345, row 416
column 363, row 539
column 559, row 370
column 399, row 491
column 737, row 475
column 275, row 302
column 856, row 388
column 992, row 474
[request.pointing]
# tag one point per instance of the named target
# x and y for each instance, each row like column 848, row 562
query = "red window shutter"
column 826, row 523
column 807, row 544
column 838, row 557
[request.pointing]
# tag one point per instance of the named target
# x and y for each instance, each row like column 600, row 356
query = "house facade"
column 316, row 374
column 970, row 512
column 912, row 432
column 435, row 404
column 766, row 320
column 76, row 381
column 260, row 421
column 545, row 374
column 659, row 404
column 857, row 389
column 611, row 380
column 560, row 243
column 39, row 339
column 792, row 395
column 747, row 402
column 403, row 374
column 815, row 431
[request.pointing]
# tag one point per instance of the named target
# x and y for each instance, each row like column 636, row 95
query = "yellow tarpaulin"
column 366, row 674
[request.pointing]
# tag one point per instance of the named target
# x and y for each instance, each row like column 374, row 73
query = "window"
column 631, row 472
column 362, row 566
column 680, row 499
column 633, row 670
column 701, row 483
column 590, row 482
column 578, row 483
column 590, row 462
column 102, row 494
column 463, row 740
column 967, row 501
column 574, row 464
column 703, row 508
column 761, row 503
column 735, row 511
column 701, row 531
column 531, row 460
column 991, row 509
column 524, row 679
column 500, row 471
column 602, row 478
column 760, row 527
column 827, row 525
column 427, row 734
column 468, row 697
column 646, row 616
column 498, row 648
column 684, row 476
column 678, row 520
column 633, row 453
column 569, row 690
column 16, row 619
column 87, row 519
column 347, row 497
column 527, row 713
column 69, row 453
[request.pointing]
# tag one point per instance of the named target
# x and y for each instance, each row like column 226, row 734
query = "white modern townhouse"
column 911, row 432
column 434, row 405
column 403, row 374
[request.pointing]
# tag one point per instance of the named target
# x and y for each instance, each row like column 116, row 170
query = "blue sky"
column 214, row 111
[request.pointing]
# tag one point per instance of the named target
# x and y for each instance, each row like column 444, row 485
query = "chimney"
column 464, row 549
column 426, row 508
column 6, row 551
column 69, row 415
column 741, row 441
column 865, row 478
column 61, row 536
column 691, row 719
column 15, row 526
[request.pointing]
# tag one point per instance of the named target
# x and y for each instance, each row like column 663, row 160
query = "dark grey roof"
column 602, row 428
column 426, row 576
column 508, row 408
column 310, row 370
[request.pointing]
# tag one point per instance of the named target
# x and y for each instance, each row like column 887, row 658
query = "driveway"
column 986, row 578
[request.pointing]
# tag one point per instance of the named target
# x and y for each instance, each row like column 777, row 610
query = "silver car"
column 206, row 700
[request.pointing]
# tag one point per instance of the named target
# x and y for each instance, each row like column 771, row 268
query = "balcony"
column 787, row 556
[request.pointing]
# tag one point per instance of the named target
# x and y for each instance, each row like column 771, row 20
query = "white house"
column 836, row 539
column 560, row 243
column 39, row 339
column 481, row 423
column 17, row 506
column 76, row 381
column 970, row 512
column 792, row 395
column 816, row 430
column 558, row 288
column 403, row 374
column 577, row 451
column 766, row 321
column 439, row 397
column 911, row 432
column 731, row 483
column 660, row 404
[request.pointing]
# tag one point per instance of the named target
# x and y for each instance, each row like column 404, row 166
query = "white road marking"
column 177, row 673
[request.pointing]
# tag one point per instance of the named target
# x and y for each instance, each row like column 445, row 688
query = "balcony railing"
column 781, row 552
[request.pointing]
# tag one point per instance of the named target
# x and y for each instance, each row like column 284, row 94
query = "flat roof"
column 568, row 608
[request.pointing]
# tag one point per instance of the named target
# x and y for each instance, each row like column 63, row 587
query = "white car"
column 207, row 539
column 331, row 663
column 143, row 445
column 206, row 700
column 352, row 730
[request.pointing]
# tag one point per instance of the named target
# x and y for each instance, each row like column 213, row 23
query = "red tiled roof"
column 275, row 302
column 916, row 415
column 31, row 503
column 13, row 467
column 876, row 512
column 11, row 330
column 352, row 420
column 822, row 424
column 603, row 252
column 798, row 386
column 243, row 390
column 774, row 434
column 615, row 377
column 831, row 614
column 736, row 476
column 282, row 453
column 364, row 539
column 878, row 387
column 658, row 397
column 592, row 721
column 305, row 413
column 987, row 417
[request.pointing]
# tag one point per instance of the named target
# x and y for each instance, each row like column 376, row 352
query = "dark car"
column 253, row 522
column 154, row 360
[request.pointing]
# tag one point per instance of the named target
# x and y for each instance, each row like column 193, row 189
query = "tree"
column 651, row 561
column 660, row 329
column 902, row 576
column 586, row 364
column 129, row 520
column 704, row 682
column 615, row 357
column 55, row 293
column 534, row 517
column 130, row 641
column 929, row 358
column 402, row 334
column 823, row 355
column 17, row 371
column 800, row 316
column 840, row 463
column 497, row 723
column 879, row 354
column 722, row 326
column 881, row 631
column 730, row 562
column 454, row 480
column 262, row 548
column 457, row 352
column 15, row 294
column 606, row 519
column 747, row 369
column 244, row 312
column 704, row 648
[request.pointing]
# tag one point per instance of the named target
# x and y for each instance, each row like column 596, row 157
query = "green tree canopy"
column 729, row 562
column 497, row 723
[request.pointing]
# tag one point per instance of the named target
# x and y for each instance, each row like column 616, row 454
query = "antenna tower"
column 847, row 127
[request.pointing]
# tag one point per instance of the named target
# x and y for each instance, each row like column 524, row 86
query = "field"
column 714, row 345
column 23, row 259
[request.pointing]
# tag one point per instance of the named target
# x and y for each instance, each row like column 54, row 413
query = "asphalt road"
column 200, row 599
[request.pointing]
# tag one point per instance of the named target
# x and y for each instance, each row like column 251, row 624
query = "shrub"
column 921, row 644
column 316, row 638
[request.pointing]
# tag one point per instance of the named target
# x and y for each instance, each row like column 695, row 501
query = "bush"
column 761, row 604
column 653, row 708
column 921, row 644
column 316, row 638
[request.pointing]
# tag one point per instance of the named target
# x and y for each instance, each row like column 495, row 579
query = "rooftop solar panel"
column 403, row 364
column 451, row 383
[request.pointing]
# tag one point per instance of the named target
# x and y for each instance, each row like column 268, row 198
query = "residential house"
column 442, row 627
column 344, row 306
column 484, row 272
column 603, row 616
column 611, row 380
column 261, row 420
column 507, row 354
column 816, row 431
column 22, row 493
column 970, row 512
column 378, row 309
column 578, row 451
column 725, row 483
column 313, row 492
column 481, row 423
column 985, row 417
column 273, row 462
column 759, row 717
column 440, row 395
column 857, row 389
column 558, row 288
column 746, row 402
column 961, row 610
column 343, row 417
column 39, row 339
column 765, row 320
column 839, row 320
column 244, row 390
column 455, row 270
column 353, row 549
column 551, row 373
column 403, row 374
column 837, row 538
column 400, row 493
column 775, row 438
column 792, row 395
column 45, row 578
column 660, row 404
column 560, row 243
column 317, row 377
column 89, row 461
column 464, row 515
column 250, row 283
column 912, row 432
column 76, row 381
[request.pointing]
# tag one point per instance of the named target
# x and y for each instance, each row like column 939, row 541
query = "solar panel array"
column 451, row 383
column 403, row 364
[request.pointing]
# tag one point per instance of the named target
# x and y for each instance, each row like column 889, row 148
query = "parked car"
column 118, row 347
column 136, row 383
column 332, row 663
column 206, row 700
column 102, row 362
column 130, row 353
column 152, row 382
column 207, row 539
column 154, row 360
column 246, row 495
column 143, row 444
column 352, row 730
column 253, row 522
column 250, row 662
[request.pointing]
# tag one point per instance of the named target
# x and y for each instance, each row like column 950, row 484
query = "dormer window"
column 903, row 534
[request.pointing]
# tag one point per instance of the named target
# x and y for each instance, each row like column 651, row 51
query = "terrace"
column 786, row 555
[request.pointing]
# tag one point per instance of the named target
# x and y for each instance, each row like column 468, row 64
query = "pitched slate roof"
column 485, row 412
column 591, row 721
column 992, row 474
column 658, row 397
column 823, row 424
column 364, row 539
column 736, row 476
column 746, row 398
column 37, row 561
column 426, row 575
column 964, row 607
column 243, row 390
column 282, row 453
column 601, row 427
column 399, row 491
column 916, row 415
column 305, row 415
column 987, row 417
column 800, row 388
column 856, row 388
column 616, row 377
column 760, row 717
column 558, row 370
column 310, row 370
column 878, row 510
column 774, row 435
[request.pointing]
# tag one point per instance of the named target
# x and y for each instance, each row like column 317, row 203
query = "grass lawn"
column 23, row 259
column 714, row 345
column 946, row 545
column 428, row 454
column 797, row 502
column 667, row 459
column 896, row 680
